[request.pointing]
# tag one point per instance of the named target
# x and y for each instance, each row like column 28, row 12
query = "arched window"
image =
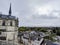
column 11, row 23
column 3, row 24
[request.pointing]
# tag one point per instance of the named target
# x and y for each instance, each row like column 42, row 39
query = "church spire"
column 10, row 10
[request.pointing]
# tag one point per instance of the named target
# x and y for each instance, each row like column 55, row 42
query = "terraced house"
column 8, row 28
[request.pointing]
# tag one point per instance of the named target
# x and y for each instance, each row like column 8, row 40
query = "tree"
column 22, row 29
column 50, row 37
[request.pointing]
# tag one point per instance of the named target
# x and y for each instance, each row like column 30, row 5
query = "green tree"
column 22, row 29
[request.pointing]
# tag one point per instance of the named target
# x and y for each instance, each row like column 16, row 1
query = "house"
column 32, row 38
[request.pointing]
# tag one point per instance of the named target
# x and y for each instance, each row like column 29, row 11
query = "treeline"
column 41, row 29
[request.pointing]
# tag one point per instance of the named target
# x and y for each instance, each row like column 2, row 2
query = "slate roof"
column 50, row 43
column 3, row 16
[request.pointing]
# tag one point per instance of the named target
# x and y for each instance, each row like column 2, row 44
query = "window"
column 11, row 23
column 3, row 24
column 2, row 38
column 0, row 33
column 2, row 30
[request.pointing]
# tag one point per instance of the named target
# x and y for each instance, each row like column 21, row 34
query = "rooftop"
column 3, row 16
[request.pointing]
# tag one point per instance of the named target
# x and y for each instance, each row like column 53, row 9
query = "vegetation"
column 32, row 28
column 55, row 30
column 51, row 37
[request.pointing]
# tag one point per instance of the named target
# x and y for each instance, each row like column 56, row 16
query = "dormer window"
column 3, row 24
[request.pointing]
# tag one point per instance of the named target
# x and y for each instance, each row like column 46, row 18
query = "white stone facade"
column 10, row 32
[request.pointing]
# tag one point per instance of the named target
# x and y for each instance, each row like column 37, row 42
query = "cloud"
column 35, row 17
column 42, row 20
column 34, row 12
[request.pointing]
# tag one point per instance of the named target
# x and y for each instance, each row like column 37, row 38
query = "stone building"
column 8, row 28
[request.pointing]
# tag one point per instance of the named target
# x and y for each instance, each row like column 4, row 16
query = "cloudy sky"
column 33, row 12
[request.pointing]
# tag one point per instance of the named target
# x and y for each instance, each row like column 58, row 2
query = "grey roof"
column 50, row 43
column 3, row 16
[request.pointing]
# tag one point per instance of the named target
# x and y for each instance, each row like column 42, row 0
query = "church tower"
column 8, row 29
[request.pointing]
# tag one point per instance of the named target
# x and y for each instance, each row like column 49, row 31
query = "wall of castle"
column 11, row 31
column 1, row 22
column 7, row 22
